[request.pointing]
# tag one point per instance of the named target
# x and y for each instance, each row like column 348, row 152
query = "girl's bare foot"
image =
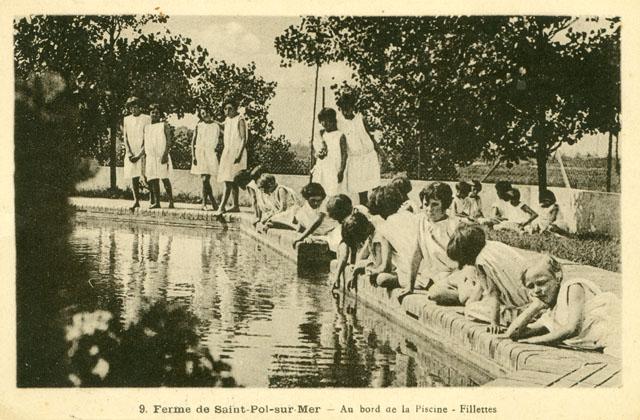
column 172, row 206
column 155, row 206
column 234, row 210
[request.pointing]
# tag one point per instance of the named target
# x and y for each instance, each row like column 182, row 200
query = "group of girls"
column 508, row 212
column 346, row 155
column 428, row 248
column 148, row 139
column 233, row 159
column 432, row 251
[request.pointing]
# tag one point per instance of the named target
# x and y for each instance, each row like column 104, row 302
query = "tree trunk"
column 617, row 156
column 609, row 156
column 113, row 130
column 541, row 160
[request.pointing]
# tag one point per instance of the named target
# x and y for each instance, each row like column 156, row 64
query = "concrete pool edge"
column 512, row 364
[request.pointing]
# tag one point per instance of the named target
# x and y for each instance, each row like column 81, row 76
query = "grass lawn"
column 595, row 250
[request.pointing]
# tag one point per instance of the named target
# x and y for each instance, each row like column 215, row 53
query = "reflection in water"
column 274, row 328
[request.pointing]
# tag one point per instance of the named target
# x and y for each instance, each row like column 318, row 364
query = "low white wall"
column 582, row 211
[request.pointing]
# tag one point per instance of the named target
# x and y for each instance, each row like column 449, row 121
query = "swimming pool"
column 274, row 328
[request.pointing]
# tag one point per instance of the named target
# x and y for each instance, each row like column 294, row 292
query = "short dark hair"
column 356, row 228
column 312, row 189
column 547, row 195
column 402, row 182
column 327, row 114
column 339, row 207
column 463, row 187
column 501, row 189
column 513, row 194
column 437, row 191
column 477, row 185
column 266, row 181
column 385, row 201
column 232, row 100
column 466, row 243
column 347, row 98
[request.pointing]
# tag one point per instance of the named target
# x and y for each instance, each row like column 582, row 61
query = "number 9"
column 141, row 408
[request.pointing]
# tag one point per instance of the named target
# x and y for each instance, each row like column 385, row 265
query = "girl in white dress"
column 157, row 143
column 439, row 274
column 234, row 154
column 461, row 203
column 492, row 292
column 246, row 179
column 277, row 204
column 574, row 312
column 332, row 155
column 549, row 218
column 203, row 149
column 133, row 132
column 518, row 214
column 474, row 203
column 363, row 167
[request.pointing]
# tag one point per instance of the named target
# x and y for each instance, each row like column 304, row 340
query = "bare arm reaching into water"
column 310, row 229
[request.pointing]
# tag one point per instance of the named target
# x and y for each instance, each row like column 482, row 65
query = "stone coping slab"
column 511, row 363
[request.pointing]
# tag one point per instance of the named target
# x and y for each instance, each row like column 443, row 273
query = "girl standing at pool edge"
column 157, row 143
column 203, row 149
column 363, row 167
column 234, row 154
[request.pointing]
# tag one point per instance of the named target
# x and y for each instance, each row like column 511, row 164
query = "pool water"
column 274, row 328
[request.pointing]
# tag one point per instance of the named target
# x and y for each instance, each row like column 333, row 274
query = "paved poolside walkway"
column 512, row 363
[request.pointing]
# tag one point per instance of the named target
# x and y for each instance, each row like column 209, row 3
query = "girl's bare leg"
column 204, row 190
column 228, row 186
column 210, row 193
column 169, row 190
column 154, row 187
column 235, row 192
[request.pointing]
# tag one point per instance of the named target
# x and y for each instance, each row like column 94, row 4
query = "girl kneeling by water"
column 493, row 292
column 277, row 204
column 366, row 251
column 246, row 179
column 573, row 312
column 311, row 218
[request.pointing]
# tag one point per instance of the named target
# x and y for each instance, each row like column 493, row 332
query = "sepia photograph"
column 318, row 201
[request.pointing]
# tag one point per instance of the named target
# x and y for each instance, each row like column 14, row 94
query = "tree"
column 103, row 67
column 452, row 89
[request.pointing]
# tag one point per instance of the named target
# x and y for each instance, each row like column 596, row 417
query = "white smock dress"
column 133, row 128
column 600, row 323
column 363, row 167
column 206, row 141
column 325, row 171
column 228, row 169
column 155, row 143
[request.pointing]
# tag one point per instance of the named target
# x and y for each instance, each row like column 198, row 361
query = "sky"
column 241, row 40
column 245, row 39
